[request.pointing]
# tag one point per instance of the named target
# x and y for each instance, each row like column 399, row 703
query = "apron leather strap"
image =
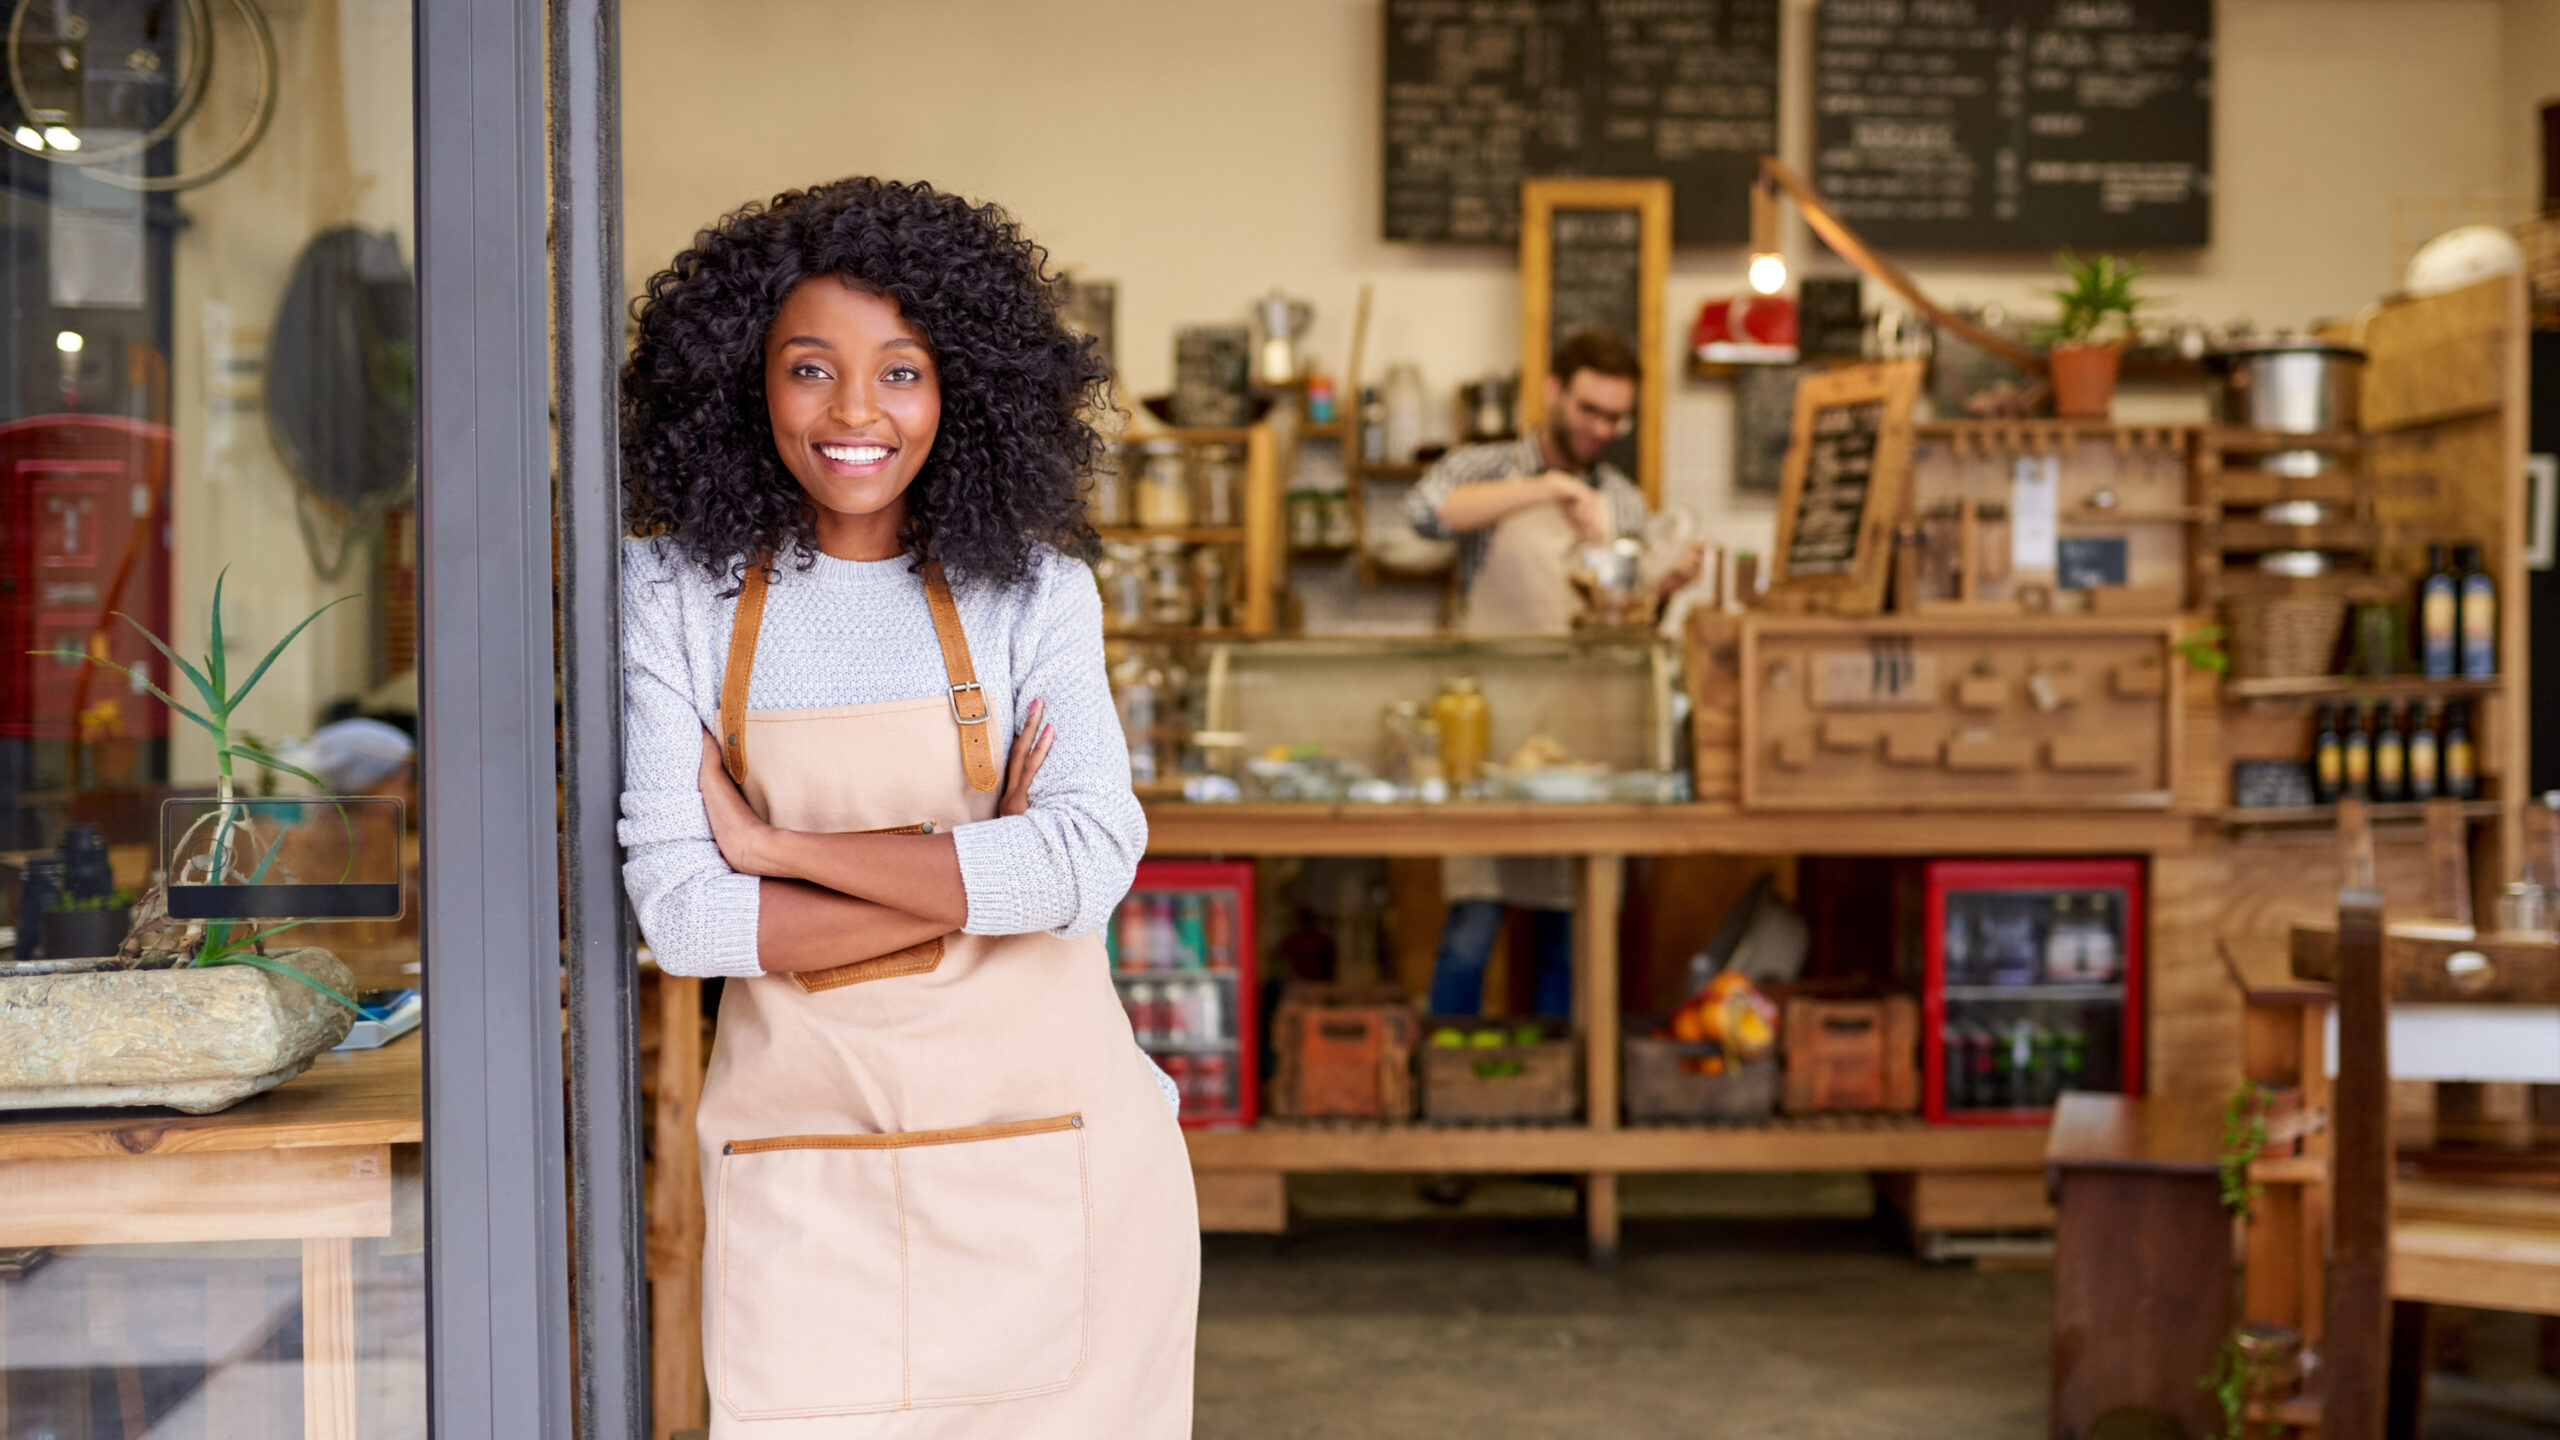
column 742, row 664
column 968, row 698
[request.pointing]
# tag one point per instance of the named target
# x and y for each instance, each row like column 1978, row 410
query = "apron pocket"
column 882, row 1272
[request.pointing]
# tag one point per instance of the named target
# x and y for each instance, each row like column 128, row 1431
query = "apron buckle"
column 978, row 719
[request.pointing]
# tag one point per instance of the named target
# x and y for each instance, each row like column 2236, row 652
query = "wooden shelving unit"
column 1255, row 575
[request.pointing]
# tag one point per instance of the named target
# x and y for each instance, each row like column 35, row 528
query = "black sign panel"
column 1840, row 463
column 1595, row 270
column 2016, row 124
column 1482, row 94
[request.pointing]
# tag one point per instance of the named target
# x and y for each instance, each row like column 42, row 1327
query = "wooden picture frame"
column 1815, row 566
column 1650, row 200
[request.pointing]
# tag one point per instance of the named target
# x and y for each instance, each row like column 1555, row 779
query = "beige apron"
column 944, row 1194
column 1524, row 587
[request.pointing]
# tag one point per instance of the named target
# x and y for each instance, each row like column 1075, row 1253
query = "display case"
column 1584, row 718
column 1182, row 957
column 2031, row 984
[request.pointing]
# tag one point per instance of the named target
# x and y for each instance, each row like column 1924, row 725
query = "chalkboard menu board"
column 2016, row 124
column 1482, row 94
column 1593, row 255
column 1846, row 469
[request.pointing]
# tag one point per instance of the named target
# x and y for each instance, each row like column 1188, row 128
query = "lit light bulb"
column 60, row 138
column 28, row 137
column 1768, row 273
column 69, row 342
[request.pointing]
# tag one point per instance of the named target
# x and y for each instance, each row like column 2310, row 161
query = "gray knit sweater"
column 850, row 632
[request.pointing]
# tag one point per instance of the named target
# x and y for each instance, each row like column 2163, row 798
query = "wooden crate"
column 1343, row 1051
column 1508, row 1082
column 1851, row 1054
column 1658, row 1088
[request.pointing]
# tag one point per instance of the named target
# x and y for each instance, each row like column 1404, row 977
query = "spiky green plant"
column 226, row 942
column 2097, row 299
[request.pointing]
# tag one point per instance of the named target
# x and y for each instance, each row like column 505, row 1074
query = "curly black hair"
column 1020, row 389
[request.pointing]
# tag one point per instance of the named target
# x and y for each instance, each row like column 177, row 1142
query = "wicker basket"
column 2273, row 636
column 1473, row 1083
column 2540, row 237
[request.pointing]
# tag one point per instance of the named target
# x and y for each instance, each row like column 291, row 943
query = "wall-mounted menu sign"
column 2016, row 124
column 1482, row 94
column 1594, row 255
column 1841, row 495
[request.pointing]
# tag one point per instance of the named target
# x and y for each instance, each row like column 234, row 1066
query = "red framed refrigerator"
column 2031, row 985
column 1182, row 956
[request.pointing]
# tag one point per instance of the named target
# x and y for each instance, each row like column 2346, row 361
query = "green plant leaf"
column 215, row 665
column 144, row 681
column 195, row 677
column 260, row 673
column 291, row 972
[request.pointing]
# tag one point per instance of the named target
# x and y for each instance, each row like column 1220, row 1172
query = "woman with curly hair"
column 946, row 1192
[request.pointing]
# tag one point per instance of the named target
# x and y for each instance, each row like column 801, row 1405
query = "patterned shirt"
column 1507, row 460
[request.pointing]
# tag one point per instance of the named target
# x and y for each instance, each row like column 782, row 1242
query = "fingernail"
column 1046, row 731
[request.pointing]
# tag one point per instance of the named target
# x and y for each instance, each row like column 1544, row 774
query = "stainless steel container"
column 2298, row 386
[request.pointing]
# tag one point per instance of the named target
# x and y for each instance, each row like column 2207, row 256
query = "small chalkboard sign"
column 1212, row 382
column 1764, row 416
column 2089, row 562
column 1594, row 254
column 1848, row 461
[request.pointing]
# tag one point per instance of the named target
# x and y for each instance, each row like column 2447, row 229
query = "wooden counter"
column 1497, row 827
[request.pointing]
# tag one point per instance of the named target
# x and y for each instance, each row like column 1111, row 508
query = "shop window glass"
column 208, row 377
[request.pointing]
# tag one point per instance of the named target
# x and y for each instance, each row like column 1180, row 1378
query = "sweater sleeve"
column 698, row 915
column 1065, row 863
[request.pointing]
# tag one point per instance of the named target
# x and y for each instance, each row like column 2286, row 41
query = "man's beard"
column 1560, row 445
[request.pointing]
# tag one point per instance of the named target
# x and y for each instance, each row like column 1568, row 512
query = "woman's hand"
column 1030, row 751
column 743, row 835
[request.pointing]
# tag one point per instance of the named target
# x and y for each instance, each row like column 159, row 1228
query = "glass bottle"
column 2328, row 757
column 2426, row 771
column 1466, row 730
column 1404, row 404
column 2438, row 628
column 1209, row 579
column 2390, row 755
column 2461, row 761
column 2479, row 611
column 2358, row 777
column 1169, row 599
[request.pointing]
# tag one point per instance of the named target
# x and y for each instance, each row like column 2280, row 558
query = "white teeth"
column 855, row 454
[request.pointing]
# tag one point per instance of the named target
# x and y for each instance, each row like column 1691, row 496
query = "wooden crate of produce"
column 1343, row 1051
column 1672, row 1080
column 1851, row 1054
column 1530, row 1074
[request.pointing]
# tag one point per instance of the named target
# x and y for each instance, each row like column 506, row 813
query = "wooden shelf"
column 1812, row 1142
column 1193, row 435
column 2254, row 534
column 2157, row 515
column 2235, row 440
column 2323, row 815
column 2341, row 687
column 2002, row 432
column 1193, row 534
column 1173, row 634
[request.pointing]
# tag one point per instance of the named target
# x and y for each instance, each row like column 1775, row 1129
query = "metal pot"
column 2298, row 386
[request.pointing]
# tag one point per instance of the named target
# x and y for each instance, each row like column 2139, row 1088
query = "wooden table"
column 308, row 1161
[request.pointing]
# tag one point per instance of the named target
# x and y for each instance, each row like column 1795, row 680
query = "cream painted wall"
column 1201, row 153
column 338, row 151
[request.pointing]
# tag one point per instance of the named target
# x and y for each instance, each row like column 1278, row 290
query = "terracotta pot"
column 2084, row 379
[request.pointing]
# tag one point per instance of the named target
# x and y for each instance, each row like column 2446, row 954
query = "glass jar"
column 1306, row 519
column 1163, row 499
column 1339, row 529
column 1219, row 473
column 1209, row 579
column 1106, row 504
column 1466, row 730
column 1123, row 575
column 1405, row 402
column 1170, row 603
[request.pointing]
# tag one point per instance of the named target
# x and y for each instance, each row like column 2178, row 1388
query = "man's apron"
column 1524, row 587
column 945, row 1196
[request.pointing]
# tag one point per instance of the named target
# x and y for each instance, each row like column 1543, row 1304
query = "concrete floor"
column 1380, row 1315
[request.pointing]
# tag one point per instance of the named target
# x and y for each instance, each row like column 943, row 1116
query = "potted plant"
column 193, row 1014
column 2088, row 340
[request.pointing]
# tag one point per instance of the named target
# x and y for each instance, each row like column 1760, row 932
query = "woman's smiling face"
column 855, row 401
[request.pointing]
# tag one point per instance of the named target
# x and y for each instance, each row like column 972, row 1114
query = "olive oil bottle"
column 2439, row 624
column 2390, row 755
column 2461, row 761
column 2328, row 757
column 2358, row 778
column 2426, row 770
column 2479, row 610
